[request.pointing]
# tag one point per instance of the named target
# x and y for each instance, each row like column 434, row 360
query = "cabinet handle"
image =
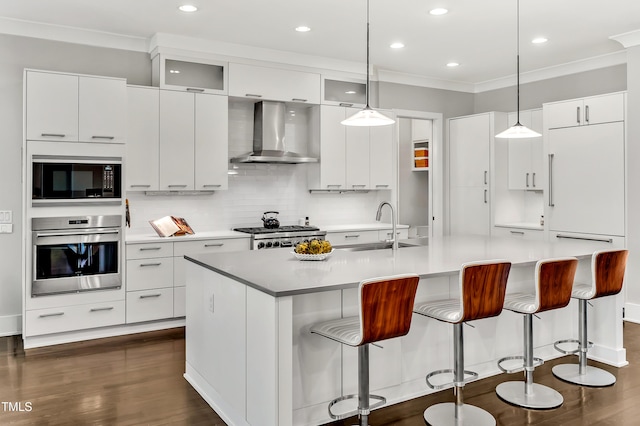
column 527, row 180
column 586, row 114
column 177, row 186
column 214, row 245
column 150, row 264
column 192, row 89
column 149, row 248
column 211, row 186
column 578, row 115
column 517, row 232
column 602, row 240
column 345, row 104
column 382, row 186
column 334, row 186
column 533, row 179
column 352, row 236
column 298, row 100
column 358, row 186
column 485, row 196
column 108, row 308
column 139, row 186
column 551, row 181
column 147, row 296
column 485, row 177
column 54, row 314
column 53, row 135
column 252, row 95
column 103, row 137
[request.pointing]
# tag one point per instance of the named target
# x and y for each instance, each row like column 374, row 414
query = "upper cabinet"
column 581, row 112
column 275, row 84
column 343, row 93
column 525, row 155
column 351, row 158
column 189, row 75
column 143, row 149
column 67, row 107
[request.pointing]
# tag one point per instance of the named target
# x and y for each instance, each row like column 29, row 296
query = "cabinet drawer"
column 611, row 240
column 69, row 318
column 149, row 305
column 386, row 234
column 525, row 234
column 145, row 274
column 353, row 237
column 149, row 250
column 179, row 301
column 210, row 246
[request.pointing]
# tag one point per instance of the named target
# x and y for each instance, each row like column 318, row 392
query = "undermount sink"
column 382, row 245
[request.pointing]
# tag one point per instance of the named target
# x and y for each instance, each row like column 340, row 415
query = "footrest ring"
column 536, row 363
column 572, row 352
column 473, row 375
column 381, row 401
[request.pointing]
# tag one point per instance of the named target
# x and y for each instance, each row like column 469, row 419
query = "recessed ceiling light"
column 397, row 45
column 539, row 40
column 174, row 71
column 303, row 29
column 350, row 92
column 438, row 11
column 188, row 8
column 452, row 64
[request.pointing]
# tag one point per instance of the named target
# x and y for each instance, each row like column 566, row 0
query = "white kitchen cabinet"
column 76, row 317
column 275, row 84
column 402, row 234
column 193, row 125
column 352, row 158
column 471, row 145
column 211, row 142
column 519, row 233
column 145, row 274
column 525, row 155
column 189, row 74
column 338, row 239
column 51, row 106
column 586, row 191
column 346, row 93
column 143, row 139
column 102, row 110
column 70, row 107
column 149, row 305
column 587, row 111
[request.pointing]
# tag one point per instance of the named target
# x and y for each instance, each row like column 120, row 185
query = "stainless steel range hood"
column 269, row 137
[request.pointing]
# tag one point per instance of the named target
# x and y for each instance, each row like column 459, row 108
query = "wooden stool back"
column 554, row 282
column 482, row 288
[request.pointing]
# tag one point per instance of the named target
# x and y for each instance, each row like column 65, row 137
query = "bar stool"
column 386, row 305
column 607, row 270
column 553, row 284
column 482, row 290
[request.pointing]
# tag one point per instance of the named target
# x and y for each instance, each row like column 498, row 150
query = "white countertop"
column 137, row 237
column 277, row 273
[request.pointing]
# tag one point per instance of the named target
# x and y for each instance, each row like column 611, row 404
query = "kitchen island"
column 251, row 356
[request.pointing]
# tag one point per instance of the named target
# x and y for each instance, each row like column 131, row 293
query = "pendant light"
column 367, row 116
column 518, row 131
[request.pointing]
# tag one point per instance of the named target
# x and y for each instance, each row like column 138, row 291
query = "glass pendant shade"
column 518, row 131
column 367, row 117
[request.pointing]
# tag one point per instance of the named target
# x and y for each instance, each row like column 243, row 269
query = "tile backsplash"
column 254, row 189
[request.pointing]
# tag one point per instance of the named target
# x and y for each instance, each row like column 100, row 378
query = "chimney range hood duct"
column 268, row 137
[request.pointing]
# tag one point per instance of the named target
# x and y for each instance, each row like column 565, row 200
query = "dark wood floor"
column 137, row 380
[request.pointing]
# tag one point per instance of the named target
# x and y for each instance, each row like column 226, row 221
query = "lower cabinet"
column 348, row 238
column 156, row 275
column 72, row 318
column 520, row 233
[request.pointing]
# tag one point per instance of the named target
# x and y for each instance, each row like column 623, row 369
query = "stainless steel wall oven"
column 74, row 254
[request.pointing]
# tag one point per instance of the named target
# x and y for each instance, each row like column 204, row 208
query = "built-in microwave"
column 72, row 178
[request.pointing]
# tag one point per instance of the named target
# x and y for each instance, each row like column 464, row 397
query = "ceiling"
column 479, row 35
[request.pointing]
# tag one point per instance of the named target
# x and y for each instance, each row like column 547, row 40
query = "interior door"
column 586, row 184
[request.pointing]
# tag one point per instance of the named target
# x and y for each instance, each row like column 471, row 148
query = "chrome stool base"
column 539, row 396
column 445, row 414
column 592, row 376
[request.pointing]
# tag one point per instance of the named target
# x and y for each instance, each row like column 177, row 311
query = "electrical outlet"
column 6, row 228
column 211, row 303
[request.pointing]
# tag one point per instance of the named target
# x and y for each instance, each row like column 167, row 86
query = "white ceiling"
column 480, row 35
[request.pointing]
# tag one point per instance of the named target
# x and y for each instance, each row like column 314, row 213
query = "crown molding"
column 422, row 81
column 72, row 35
column 630, row 39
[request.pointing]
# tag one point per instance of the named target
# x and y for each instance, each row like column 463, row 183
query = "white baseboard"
column 632, row 312
column 10, row 325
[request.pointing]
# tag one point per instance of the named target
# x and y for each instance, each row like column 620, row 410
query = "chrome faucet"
column 394, row 236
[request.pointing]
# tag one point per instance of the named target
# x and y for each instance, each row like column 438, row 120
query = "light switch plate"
column 6, row 216
column 6, row 228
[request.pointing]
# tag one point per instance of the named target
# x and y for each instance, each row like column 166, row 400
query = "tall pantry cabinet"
column 471, row 146
column 586, row 167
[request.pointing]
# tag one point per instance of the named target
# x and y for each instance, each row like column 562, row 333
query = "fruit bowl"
column 302, row 256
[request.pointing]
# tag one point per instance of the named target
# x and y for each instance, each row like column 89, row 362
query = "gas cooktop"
column 290, row 228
